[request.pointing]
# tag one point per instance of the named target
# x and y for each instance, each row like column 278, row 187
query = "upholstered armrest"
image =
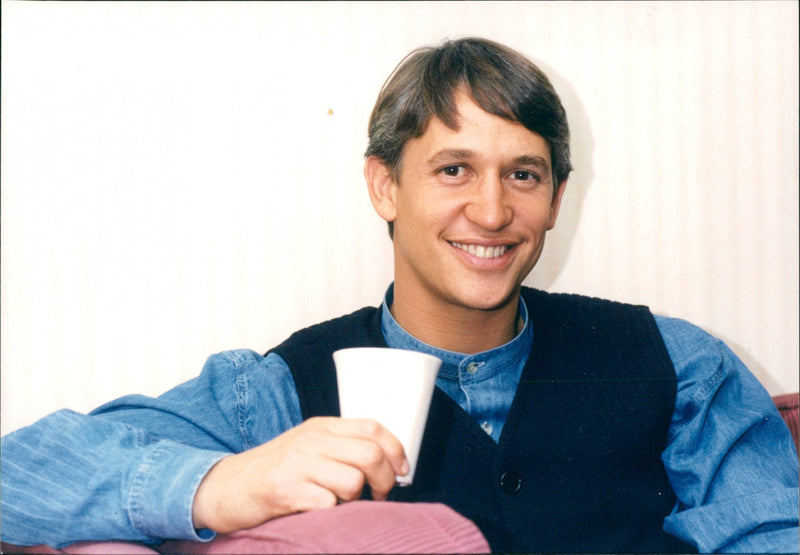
column 357, row 527
column 789, row 406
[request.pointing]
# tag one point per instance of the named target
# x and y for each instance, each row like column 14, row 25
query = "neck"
column 456, row 328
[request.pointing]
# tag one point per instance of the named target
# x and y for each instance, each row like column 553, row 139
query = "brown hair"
column 498, row 79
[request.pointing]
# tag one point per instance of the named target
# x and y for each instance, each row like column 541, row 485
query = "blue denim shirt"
column 130, row 469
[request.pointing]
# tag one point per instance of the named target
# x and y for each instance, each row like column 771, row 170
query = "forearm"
column 130, row 470
column 72, row 477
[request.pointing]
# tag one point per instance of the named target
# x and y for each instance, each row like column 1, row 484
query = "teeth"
column 480, row 251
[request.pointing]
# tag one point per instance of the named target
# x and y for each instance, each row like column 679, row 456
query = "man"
column 560, row 423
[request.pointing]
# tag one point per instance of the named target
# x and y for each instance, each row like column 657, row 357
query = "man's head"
column 468, row 160
column 499, row 80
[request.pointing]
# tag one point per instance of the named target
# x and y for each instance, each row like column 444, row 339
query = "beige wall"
column 179, row 179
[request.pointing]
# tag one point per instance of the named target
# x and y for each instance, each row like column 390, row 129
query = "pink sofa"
column 788, row 407
column 358, row 527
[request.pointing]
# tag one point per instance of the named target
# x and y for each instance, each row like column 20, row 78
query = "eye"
column 522, row 175
column 453, row 171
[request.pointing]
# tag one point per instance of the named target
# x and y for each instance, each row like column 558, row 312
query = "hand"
column 315, row 465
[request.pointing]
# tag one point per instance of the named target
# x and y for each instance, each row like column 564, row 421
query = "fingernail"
column 405, row 467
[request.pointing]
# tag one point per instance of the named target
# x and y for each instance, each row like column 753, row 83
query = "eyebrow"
column 459, row 154
column 538, row 161
column 450, row 154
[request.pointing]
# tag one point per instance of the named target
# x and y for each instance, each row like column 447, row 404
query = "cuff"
column 163, row 489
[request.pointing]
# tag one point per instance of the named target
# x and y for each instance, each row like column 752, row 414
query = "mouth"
column 481, row 251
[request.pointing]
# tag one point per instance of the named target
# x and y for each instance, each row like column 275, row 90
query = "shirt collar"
column 490, row 362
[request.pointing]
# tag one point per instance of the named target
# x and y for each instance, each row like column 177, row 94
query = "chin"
column 494, row 300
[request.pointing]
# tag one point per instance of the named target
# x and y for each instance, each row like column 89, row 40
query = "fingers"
column 351, row 462
column 373, row 432
column 363, row 445
column 312, row 466
column 312, row 496
column 343, row 481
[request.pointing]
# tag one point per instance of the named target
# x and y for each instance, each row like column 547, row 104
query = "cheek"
column 533, row 216
column 429, row 212
column 538, row 211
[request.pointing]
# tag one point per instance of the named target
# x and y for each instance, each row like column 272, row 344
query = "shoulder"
column 235, row 360
column 261, row 387
column 702, row 361
column 576, row 302
column 245, row 365
column 594, row 315
column 308, row 354
column 709, row 372
column 686, row 341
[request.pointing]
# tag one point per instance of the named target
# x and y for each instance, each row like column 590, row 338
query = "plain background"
column 184, row 178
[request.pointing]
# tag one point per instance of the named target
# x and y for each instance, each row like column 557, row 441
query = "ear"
column 381, row 186
column 555, row 205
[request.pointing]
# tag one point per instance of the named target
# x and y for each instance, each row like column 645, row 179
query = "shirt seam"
column 241, row 386
column 138, row 486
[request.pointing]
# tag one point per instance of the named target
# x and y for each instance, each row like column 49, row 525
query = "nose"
column 488, row 205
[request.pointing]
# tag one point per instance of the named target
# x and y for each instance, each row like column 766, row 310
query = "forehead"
column 478, row 134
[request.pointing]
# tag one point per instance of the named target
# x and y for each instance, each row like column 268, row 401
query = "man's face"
column 470, row 211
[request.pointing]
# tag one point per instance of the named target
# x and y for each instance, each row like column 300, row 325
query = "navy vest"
column 577, row 467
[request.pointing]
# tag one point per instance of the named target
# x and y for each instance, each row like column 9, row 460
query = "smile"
column 480, row 251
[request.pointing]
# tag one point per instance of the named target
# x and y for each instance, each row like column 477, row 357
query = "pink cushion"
column 356, row 527
column 789, row 405
column 85, row 548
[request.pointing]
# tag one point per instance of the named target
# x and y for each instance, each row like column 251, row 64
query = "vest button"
column 510, row 482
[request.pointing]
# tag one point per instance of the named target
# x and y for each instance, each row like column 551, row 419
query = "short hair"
column 498, row 79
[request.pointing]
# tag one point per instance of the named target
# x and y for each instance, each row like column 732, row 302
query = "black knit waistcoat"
column 577, row 467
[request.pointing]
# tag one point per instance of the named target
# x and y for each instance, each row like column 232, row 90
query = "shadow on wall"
column 559, row 240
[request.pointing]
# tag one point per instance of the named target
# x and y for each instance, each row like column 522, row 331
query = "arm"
column 138, row 468
column 730, row 458
column 130, row 470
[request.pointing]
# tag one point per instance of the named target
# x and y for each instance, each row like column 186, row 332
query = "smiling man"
column 470, row 210
column 560, row 423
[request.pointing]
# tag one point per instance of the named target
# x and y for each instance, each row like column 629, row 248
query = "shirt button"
column 487, row 427
column 472, row 367
column 510, row 482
